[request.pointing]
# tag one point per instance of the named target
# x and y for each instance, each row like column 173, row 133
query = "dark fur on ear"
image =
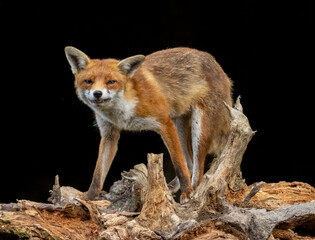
column 77, row 59
column 130, row 65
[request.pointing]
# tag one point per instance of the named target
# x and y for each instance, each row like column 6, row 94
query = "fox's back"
column 187, row 76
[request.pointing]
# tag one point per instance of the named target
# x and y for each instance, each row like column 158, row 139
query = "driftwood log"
column 140, row 205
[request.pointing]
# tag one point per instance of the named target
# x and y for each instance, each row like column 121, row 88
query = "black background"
column 266, row 48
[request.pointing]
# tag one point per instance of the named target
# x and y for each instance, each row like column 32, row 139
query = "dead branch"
column 253, row 192
column 259, row 223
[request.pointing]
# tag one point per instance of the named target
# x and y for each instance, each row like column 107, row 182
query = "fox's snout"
column 99, row 97
column 92, row 97
column 97, row 94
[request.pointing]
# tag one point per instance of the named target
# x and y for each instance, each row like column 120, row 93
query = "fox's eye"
column 88, row 81
column 111, row 81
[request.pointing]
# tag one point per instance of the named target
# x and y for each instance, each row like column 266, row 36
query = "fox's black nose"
column 97, row 94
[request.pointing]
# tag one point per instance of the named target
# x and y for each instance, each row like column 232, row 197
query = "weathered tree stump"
column 159, row 212
column 140, row 206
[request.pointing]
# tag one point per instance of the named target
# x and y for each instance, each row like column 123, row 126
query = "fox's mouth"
column 100, row 100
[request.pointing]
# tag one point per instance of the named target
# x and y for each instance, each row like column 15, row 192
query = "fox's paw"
column 186, row 196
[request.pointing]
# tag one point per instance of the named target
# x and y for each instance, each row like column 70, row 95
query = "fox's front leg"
column 171, row 140
column 106, row 154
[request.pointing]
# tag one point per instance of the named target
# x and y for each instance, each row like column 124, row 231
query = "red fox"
column 178, row 93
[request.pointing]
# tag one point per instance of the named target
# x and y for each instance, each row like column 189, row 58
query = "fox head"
column 100, row 83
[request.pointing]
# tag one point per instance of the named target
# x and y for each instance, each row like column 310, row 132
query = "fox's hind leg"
column 201, row 140
column 182, row 125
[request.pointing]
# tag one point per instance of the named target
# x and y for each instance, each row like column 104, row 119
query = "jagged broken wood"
column 143, row 208
column 254, row 190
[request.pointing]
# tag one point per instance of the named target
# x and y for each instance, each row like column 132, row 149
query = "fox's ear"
column 129, row 66
column 77, row 59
